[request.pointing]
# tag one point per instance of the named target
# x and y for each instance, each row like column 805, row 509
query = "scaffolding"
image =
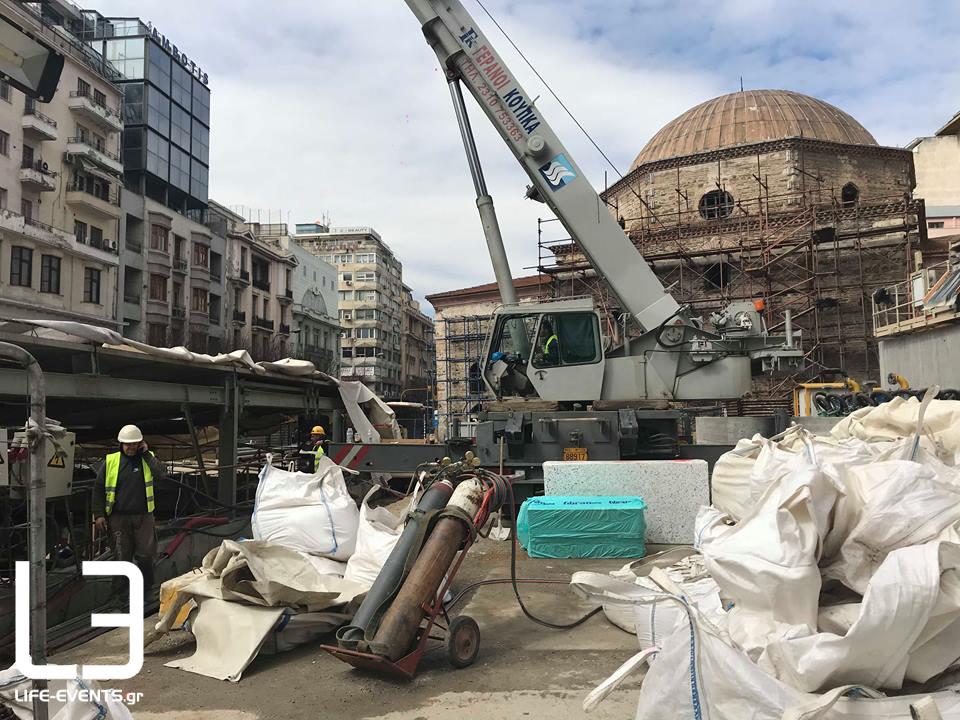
column 461, row 393
column 815, row 252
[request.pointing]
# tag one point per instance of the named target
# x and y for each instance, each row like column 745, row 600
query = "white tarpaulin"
column 243, row 590
column 373, row 422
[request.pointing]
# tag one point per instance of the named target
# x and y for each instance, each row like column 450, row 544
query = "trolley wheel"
column 463, row 641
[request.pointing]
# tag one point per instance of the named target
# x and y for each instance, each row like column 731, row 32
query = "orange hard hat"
column 318, row 430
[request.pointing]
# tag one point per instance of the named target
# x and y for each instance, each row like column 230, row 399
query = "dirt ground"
column 523, row 670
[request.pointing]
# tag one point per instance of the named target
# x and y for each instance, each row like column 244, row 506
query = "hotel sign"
column 179, row 56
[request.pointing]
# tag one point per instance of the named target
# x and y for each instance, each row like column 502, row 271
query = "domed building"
column 776, row 196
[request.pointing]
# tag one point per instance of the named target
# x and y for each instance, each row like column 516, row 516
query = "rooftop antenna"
column 741, row 83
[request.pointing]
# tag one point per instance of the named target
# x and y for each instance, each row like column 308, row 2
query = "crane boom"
column 466, row 54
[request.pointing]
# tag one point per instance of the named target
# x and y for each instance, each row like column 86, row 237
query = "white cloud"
column 340, row 107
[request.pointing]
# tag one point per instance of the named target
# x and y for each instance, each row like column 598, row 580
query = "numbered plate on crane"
column 572, row 454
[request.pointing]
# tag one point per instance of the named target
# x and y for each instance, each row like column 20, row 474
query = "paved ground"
column 523, row 671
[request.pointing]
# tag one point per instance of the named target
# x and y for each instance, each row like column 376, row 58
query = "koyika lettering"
column 522, row 111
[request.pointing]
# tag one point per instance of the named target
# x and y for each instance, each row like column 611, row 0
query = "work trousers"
column 135, row 540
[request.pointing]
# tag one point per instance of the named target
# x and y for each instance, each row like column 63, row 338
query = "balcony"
column 284, row 329
column 200, row 317
column 102, row 244
column 262, row 323
column 134, row 246
column 241, row 277
column 240, row 316
column 214, row 317
column 105, row 204
column 287, row 297
column 261, row 283
column 28, row 227
column 180, row 266
column 36, row 176
column 38, row 126
column 130, row 297
column 86, row 107
column 178, row 312
column 104, row 158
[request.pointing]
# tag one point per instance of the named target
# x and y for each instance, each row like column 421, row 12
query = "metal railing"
column 93, row 101
column 263, row 323
column 284, row 329
column 928, row 297
column 88, row 143
column 240, row 316
column 32, row 110
column 178, row 311
column 215, row 317
column 135, row 299
column 99, row 244
column 288, row 293
column 111, row 197
column 133, row 245
column 261, row 284
column 180, row 265
column 245, row 275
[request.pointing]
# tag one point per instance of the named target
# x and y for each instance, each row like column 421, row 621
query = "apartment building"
column 259, row 290
column 316, row 328
column 60, row 177
column 369, row 302
column 418, row 354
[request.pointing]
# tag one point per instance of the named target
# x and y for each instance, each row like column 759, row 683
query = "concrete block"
column 816, row 424
column 673, row 490
column 730, row 430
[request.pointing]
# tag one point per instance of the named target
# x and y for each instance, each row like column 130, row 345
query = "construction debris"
column 839, row 579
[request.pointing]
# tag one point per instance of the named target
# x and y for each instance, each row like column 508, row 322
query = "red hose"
column 190, row 525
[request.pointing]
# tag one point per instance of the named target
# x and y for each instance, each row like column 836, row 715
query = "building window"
column 83, row 87
column 715, row 204
column 96, row 237
column 346, row 295
column 80, row 231
column 26, row 208
column 4, row 143
column 4, row 91
column 198, row 342
column 199, row 300
column 849, row 194
column 215, row 309
column 936, row 225
column 21, row 266
column 50, row 274
column 157, row 334
column 91, row 285
column 158, row 238
column 201, row 255
column 3, row 198
column 100, row 98
column 346, row 352
column 158, row 288
column 346, row 277
column 178, row 295
column 216, row 266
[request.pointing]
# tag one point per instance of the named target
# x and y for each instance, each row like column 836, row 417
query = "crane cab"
column 547, row 350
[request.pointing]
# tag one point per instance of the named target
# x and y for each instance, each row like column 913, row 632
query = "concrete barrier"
column 673, row 490
column 729, row 430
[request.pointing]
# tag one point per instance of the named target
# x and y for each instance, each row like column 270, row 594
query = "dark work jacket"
column 131, row 493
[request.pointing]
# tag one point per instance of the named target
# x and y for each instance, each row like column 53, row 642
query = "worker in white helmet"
column 123, row 500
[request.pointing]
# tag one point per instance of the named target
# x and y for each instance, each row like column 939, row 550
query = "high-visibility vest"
column 110, row 481
column 546, row 345
column 318, row 451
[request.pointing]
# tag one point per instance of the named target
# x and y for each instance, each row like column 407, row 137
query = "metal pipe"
column 788, row 327
column 488, row 215
column 37, row 504
column 394, row 569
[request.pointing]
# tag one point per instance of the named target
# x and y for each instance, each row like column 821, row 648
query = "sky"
column 334, row 108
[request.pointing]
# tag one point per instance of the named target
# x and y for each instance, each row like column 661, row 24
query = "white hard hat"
column 130, row 434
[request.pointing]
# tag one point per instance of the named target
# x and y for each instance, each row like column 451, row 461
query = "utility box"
column 57, row 465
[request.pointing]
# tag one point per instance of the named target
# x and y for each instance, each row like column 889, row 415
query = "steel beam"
column 99, row 387
column 293, row 399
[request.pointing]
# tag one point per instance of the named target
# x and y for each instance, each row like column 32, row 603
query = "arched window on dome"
column 715, row 204
column 849, row 194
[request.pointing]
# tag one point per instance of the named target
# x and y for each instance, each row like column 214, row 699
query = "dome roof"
column 752, row 116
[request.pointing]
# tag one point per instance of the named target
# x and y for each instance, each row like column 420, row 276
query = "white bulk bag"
column 311, row 513
column 377, row 535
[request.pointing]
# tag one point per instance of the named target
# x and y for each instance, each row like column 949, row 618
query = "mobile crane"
column 600, row 394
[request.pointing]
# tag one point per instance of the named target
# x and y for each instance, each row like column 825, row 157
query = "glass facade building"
column 166, row 109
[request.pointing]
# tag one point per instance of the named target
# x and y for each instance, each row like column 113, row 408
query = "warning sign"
column 56, row 462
